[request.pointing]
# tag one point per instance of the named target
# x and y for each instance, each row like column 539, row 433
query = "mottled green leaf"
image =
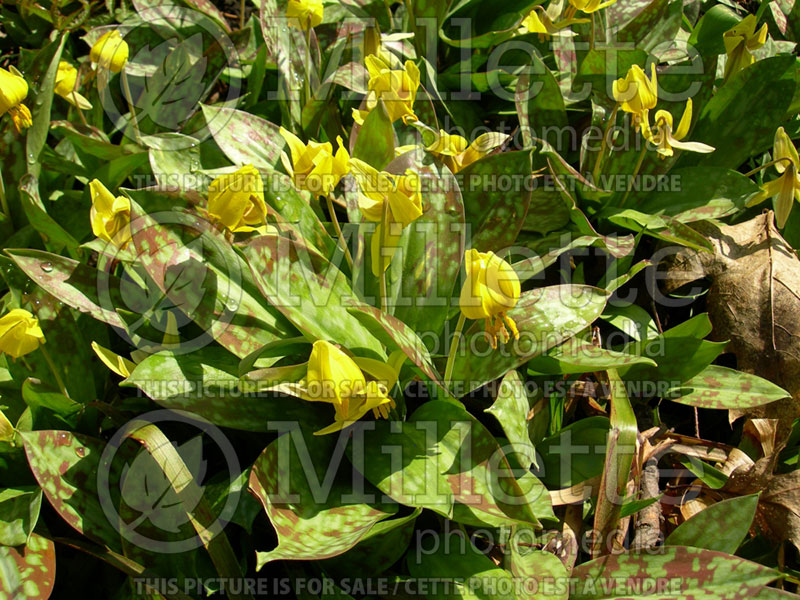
column 722, row 526
column 310, row 502
column 721, row 387
column 29, row 572
column 545, row 317
column 375, row 140
column 19, row 511
column 576, row 356
column 245, row 138
column 511, row 409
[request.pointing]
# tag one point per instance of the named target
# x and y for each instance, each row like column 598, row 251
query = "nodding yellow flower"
column 740, row 41
column 20, row 333
column 334, row 377
column 786, row 188
column 304, row 14
column 396, row 87
column 636, row 93
column 400, row 195
column 456, row 152
column 110, row 216
column 314, row 167
column 590, row 6
column 237, row 200
column 491, row 289
column 110, row 51
column 542, row 22
column 66, row 78
column 13, row 90
column 661, row 133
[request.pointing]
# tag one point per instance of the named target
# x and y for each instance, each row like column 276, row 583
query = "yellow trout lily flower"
column 110, row 216
column 399, row 195
column 13, row 90
column 314, row 167
column 334, row 377
column 786, row 188
column 110, row 51
column 590, row 6
column 304, row 14
column 66, row 78
column 396, row 87
column 20, row 333
column 491, row 289
column 540, row 21
column 456, row 152
column 636, row 93
column 740, row 41
column 665, row 139
column 237, row 200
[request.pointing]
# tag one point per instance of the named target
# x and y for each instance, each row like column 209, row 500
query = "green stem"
column 600, row 159
column 241, row 15
column 3, row 199
column 384, row 224
column 592, row 33
column 635, row 173
column 451, row 355
column 308, row 63
column 338, row 228
column 54, row 370
column 129, row 97
column 767, row 165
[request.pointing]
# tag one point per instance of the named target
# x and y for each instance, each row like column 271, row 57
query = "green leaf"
column 310, row 502
column 311, row 292
column 66, row 466
column 545, row 317
column 684, row 572
column 197, row 271
column 576, row 356
column 529, row 565
column 701, row 193
column 461, row 571
column 722, row 526
column 741, row 118
column 375, row 140
column 545, row 105
column 206, row 382
column 496, row 192
column 620, row 451
column 575, row 454
column 55, row 237
column 511, row 409
column 29, row 572
column 724, row 388
column 245, row 138
column 707, row 36
column 711, row 476
column 19, row 512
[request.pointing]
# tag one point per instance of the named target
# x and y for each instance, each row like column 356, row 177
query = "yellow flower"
column 314, row 167
column 490, row 291
column 740, row 41
column 304, row 13
column 237, row 200
column 590, row 6
column 662, row 135
column 786, row 188
column 545, row 24
column 396, row 87
column 110, row 216
column 13, row 90
column 119, row 364
column 636, row 93
column 457, row 153
column 399, row 195
column 20, row 333
column 338, row 379
column 372, row 40
column 66, row 77
column 110, row 51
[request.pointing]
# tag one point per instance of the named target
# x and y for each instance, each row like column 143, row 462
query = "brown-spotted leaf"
column 28, row 572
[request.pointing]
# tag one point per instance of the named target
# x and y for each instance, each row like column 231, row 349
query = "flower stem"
column 600, row 159
column 129, row 97
column 338, row 228
column 54, row 371
column 451, row 355
column 767, row 165
column 4, row 200
column 592, row 33
column 241, row 15
column 308, row 63
column 635, row 173
column 384, row 219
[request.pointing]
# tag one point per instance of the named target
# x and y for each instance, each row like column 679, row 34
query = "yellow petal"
column 118, row 364
column 20, row 333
